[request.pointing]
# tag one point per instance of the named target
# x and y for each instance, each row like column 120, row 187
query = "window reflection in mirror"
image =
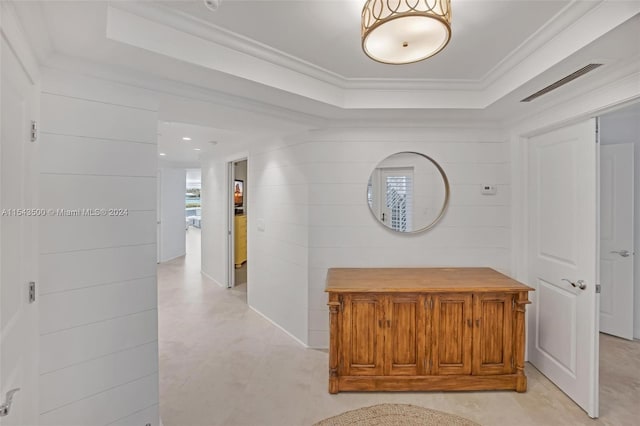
column 408, row 192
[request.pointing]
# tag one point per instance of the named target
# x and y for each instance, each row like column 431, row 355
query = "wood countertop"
column 413, row 280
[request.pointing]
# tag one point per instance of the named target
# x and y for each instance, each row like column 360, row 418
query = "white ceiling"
column 303, row 57
column 326, row 33
column 203, row 140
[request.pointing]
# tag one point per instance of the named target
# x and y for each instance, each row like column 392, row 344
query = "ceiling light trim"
column 394, row 31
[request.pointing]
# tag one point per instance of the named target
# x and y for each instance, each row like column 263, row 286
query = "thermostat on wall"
column 489, row 189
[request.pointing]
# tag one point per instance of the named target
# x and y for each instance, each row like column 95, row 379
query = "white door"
column 18, row 317
column 563, row 320
column 616, row 239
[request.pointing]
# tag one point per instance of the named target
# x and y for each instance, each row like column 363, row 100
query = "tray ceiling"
column 326, row 33
column 305, row 55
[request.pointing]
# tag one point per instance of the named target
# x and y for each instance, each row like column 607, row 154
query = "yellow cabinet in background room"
column 240, row 242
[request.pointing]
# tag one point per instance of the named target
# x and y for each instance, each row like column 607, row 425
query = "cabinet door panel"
column 493, row 334
column 451, row 334
column 362, row 353
column 404, row 353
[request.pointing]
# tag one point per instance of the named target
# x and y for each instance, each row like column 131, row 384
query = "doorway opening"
column 238, row 214
column 619, row 265
column 193, row 212
column 582, row 211
column 620, row 222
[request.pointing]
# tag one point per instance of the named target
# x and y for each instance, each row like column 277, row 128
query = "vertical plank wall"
column 97, row 292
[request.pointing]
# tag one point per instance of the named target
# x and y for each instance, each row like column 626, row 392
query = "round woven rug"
column 395, row 415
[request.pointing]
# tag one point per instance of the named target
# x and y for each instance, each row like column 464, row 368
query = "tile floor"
column 223, row 364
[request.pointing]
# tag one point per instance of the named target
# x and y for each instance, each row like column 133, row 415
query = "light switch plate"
column 489, row 189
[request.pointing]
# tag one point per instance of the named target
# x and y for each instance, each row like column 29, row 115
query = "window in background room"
column 192, row 198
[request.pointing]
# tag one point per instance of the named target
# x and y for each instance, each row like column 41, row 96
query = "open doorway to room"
column 238, row 213
column 193, row 212
column 619, row 264
column 620, row 222
column 592, row 303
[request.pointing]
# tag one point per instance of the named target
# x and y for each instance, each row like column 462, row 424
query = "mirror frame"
column 445, row 204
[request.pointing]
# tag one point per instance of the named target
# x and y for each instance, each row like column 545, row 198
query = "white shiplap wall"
column 343, row 233
column 278, row 256
column 97, row 293
column 310, row 195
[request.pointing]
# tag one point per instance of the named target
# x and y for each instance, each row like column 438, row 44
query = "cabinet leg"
column 333, row 381
column 334, row 307
column 521, row 384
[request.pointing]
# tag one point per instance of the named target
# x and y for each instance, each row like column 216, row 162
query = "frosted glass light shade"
column 405, row 31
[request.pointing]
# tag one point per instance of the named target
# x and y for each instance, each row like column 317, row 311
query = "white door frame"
column 26, row 401
column 231, row 176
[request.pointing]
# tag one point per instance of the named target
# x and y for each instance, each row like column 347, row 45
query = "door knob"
column 580, row 283
column 4, row 408
column 623, row 253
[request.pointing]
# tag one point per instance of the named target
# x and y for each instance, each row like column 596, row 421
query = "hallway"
column 223, row 364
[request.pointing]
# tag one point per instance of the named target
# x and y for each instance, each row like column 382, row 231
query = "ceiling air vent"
column 582, row 71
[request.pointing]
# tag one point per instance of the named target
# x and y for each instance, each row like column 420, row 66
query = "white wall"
column 278, row 256
column 624, row 127
column 98, row 302
column 277, row 267
column 172, row 213
column 309, row 194
column 214, row 225
column 343, row 233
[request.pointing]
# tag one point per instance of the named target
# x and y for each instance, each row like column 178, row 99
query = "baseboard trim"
column 318, row 348
column 279, row 326
column 172, row 258
column 212, row 279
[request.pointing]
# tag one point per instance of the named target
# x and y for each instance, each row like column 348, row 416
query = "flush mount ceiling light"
column 405, row 31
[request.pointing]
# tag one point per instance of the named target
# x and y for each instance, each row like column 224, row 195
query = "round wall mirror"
column 408, row 192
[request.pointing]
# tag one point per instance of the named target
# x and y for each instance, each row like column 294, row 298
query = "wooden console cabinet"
column 411, row 329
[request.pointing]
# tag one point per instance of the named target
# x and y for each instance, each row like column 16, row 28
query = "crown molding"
column 14, row 34
column 179, row 89
column 195, row 26
column 577, row 24
column 556, row 25
column 207, row 31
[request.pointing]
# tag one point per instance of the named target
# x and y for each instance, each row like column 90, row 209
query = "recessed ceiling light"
column 186, row 138
column 196, row 149
column 162, row 154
